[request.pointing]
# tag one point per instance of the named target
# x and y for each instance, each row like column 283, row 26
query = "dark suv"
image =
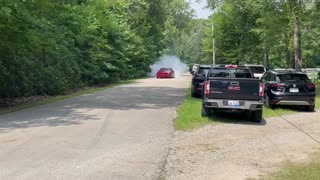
column 288, row 87
column 198, row 80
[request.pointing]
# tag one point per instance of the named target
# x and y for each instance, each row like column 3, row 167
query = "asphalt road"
column 118, row 133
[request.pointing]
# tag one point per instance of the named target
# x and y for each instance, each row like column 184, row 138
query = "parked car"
column 165, row 73
column 257, row 70
column 232, row 88
column 198, row 79
column 288, row 87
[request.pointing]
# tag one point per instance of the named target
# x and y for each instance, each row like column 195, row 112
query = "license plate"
column 233, row 103
column 294, row 90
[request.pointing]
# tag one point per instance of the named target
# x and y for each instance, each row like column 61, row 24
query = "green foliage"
column 50, row 46
column 261, row 31
column 183, row 33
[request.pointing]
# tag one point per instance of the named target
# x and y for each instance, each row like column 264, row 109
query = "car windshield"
column 293, row 78
column 257, row 69
column 233, row 73
column 165, row 69
column 203, row 70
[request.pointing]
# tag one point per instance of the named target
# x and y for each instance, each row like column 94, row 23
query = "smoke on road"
column 169, row 61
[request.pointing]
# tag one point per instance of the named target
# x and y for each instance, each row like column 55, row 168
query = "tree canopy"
column 278, row 33
column 50, row 46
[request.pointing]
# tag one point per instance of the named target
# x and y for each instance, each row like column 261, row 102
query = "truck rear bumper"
column 223, row 104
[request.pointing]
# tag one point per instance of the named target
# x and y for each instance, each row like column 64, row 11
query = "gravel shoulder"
column 243, row 150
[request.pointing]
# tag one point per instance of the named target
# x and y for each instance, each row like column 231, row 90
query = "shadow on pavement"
column 75, row 110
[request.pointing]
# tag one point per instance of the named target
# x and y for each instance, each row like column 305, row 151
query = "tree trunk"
column 296, row 36
column 266, row 59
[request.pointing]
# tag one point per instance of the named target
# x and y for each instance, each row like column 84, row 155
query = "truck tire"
column 310, row 108
column 256, row 116
column 205, row 112
column 193, row 93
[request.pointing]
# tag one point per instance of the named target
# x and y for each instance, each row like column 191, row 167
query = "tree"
column 281, row 31
column 49, row 47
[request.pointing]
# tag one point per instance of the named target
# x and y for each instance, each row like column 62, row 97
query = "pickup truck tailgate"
column 235, row 89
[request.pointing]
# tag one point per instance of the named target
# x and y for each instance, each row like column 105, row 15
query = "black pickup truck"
column 232, row 88
column 198, row 78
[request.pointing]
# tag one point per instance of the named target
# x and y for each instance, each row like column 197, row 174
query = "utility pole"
column 213, row 48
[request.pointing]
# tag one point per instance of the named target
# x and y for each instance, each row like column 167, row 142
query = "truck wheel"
column 205, row 112
column 256, row 116
column 310, row 108
column 193, row 94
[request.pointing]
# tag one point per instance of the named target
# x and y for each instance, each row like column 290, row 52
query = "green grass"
column 51, row 99
column 310, row 171
column 189, row 113
column 268, row 113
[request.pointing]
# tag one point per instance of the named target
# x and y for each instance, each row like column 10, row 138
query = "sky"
column 201, row 11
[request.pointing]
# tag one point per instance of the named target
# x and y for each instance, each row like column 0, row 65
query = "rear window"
column 203, row 70
column 297, row 78
column 232, row 73
column 257, row 69
column 165, row 69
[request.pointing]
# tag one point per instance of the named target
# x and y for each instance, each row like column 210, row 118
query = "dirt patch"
column 243, row 150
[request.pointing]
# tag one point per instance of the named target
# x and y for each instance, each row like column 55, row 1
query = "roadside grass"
column 310, row 171
column 51, row 99
column 268, row 112
column 189, row 113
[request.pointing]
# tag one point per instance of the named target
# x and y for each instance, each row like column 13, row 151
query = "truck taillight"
column 207, row 87
column 230, row 66
column 261, row 90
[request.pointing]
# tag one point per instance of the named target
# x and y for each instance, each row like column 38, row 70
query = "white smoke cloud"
column 168, row 61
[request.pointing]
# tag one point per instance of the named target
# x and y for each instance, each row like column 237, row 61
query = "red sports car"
column 165, row 73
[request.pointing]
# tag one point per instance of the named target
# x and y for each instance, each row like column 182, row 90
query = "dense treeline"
column 277, row 33
column 50, row 46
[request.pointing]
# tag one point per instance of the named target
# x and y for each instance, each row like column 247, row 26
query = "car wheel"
column 205, row 112
column 267, row 103
column 310, row 108
column 256, row 116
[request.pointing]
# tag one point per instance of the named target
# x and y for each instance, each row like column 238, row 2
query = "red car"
column 165, row 73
